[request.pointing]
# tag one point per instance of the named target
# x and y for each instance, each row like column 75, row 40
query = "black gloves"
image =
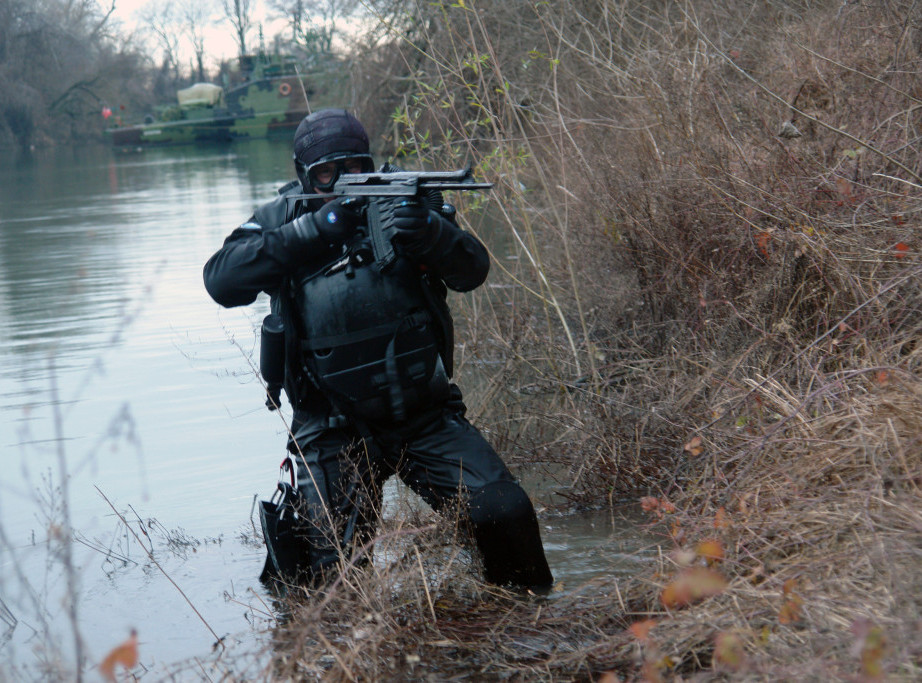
column 337, row 219
column 416, row 228
column 314, row 233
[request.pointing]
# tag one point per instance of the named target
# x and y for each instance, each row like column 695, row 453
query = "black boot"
column 506, row 530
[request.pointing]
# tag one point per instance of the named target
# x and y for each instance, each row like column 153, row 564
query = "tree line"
column 63, row 62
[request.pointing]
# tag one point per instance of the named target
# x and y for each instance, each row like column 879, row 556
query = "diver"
column 364, row 355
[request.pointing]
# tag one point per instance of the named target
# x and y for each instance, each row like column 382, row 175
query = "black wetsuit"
column 435, row 450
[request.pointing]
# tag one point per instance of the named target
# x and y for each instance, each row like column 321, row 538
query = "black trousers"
column 440, row 456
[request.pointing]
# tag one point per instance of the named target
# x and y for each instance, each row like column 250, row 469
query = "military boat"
column 264, row 96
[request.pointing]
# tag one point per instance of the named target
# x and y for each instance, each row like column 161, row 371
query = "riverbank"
column 712, row 309
column 790, row 554
column 705, row 306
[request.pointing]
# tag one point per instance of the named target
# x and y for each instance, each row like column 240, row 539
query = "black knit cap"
column 329, row 133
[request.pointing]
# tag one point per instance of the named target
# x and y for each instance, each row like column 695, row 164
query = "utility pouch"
column 385, row 377
column 287, row 546
column 272, row 358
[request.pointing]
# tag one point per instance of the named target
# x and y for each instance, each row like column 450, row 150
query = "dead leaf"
column 711, row 550
column 691, row 585
column 742, row 505
column 649, row 503
column 790, row 611
column 721, row 520
column 871, row 645
column 729, row 652
column 757, row 575
column 900, row 249
column 844, row 187
column 677, row 532
column 684, row 557
column 872, row 654
column 650, row 672
column 125, row 654
column 641, row 629
column 694, row 447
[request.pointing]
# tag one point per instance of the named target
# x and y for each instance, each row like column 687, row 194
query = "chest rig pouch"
column 368, row 338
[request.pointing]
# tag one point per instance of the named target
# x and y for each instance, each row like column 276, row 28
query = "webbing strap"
column 393, row 379
column 394, row 387
column 334, row 340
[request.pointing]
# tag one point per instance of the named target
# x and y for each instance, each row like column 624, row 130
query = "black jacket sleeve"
column 456, row 257
column 253, row 259
column 260, row 253
column 256, row 257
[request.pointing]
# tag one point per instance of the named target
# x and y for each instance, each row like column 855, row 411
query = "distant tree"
column 237, row 12
column 163, row 19
column 313, row 23
column 60, row 64
column 293, row 12
column 329, row 13
column 163, row 85
column 197, row 15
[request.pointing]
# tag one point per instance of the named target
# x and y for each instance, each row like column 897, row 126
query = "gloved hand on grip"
column 416, row 228
column 337, row 219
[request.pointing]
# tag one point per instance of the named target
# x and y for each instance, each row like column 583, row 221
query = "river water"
column 124, row 390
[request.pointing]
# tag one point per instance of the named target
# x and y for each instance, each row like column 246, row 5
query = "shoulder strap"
column 444, row 325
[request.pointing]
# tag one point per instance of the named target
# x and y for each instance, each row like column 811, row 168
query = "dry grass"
column 670, row 267
column 822, row 529
column 421, row 614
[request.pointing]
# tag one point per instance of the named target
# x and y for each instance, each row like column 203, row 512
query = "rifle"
column 393, row 184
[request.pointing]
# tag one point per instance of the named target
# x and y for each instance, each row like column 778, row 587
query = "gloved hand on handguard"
column 416, row 228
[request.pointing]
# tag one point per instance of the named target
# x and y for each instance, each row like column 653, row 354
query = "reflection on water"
column 100, row 270
column 100, row 281
column 158, row 407
column 595, row 545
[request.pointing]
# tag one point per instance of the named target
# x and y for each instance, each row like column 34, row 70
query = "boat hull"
column 217, row 129
column 261, row 105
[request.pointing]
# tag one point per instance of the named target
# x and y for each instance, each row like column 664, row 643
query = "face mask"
column 322, row 175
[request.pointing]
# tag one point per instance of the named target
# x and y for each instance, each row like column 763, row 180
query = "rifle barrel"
column 398, row 184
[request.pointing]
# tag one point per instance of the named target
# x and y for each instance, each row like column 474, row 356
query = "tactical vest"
column 371, row 340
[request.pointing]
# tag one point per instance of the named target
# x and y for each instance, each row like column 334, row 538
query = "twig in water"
column 66, row 532
column 150, row 556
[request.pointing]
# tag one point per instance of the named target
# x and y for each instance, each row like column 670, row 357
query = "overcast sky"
column 220, row 41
